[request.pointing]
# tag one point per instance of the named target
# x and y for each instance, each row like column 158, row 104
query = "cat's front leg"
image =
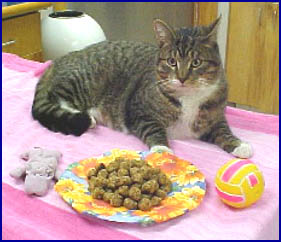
column 151, row 132
column 155, row 137
column 221, row 135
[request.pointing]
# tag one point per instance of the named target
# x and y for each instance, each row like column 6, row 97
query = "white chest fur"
column 182, row 128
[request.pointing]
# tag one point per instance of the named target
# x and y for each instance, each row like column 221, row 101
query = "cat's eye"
column 172, row 61
column 196, row 63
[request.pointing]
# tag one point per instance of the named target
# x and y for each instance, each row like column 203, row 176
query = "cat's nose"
column 182, row 76
column 182, row 79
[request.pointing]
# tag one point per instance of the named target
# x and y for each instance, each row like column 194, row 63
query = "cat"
column 174, row 89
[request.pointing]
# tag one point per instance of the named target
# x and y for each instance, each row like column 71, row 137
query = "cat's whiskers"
column 203, row 81
column 162, row 82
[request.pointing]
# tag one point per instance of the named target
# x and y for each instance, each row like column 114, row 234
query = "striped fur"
column 140, row 88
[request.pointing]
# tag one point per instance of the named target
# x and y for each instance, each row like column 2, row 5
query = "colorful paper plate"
column 188, row 188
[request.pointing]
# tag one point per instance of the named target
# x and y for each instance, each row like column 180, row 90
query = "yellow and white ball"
column 239, row 183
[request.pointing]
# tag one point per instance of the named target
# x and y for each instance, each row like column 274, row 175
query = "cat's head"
column 188, row 57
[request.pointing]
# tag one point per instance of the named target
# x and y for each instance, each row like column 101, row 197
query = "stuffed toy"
column 39, row 169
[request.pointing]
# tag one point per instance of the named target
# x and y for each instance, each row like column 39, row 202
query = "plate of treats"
column 132, row 187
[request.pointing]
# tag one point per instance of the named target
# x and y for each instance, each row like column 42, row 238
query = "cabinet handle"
column 11, row 42
column 260, row 16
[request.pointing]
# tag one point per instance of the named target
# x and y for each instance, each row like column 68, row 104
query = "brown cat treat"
column 132, row 190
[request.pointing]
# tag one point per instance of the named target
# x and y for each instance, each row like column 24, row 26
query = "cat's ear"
column 212, row 30
column 164, row 33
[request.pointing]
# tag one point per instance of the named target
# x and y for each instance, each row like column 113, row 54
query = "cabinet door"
column 21, row 35
column 253, row 55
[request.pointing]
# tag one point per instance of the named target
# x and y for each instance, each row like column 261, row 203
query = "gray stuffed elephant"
column 39, row 169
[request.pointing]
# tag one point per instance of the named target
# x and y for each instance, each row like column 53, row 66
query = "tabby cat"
column 176, row 89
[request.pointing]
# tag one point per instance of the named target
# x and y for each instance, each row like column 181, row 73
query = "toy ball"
column 239, row 183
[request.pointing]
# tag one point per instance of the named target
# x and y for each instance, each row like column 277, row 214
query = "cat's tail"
column 54, row 116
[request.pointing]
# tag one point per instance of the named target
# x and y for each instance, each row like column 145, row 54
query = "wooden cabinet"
column 21, row 33
column 252, row 63
column 21, row 36
column 204, row 12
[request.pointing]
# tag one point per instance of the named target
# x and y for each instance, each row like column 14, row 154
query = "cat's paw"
column 93, row 123
column 161, row 149
column 244, row 150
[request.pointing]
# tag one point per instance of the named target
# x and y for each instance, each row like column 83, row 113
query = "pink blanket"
column 49, row 217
